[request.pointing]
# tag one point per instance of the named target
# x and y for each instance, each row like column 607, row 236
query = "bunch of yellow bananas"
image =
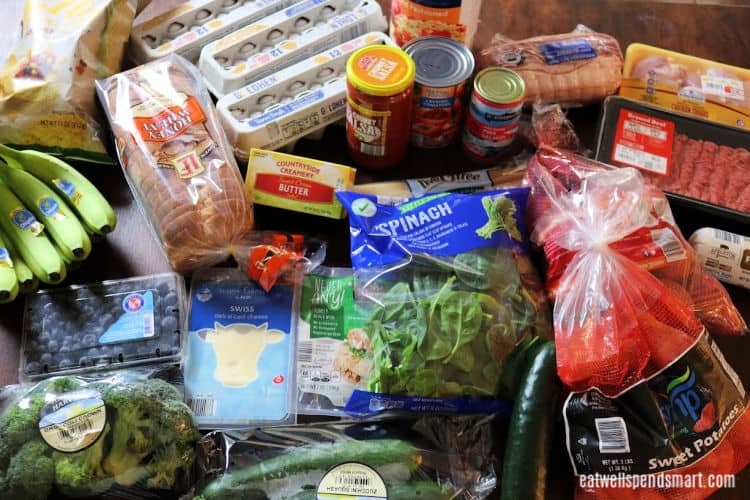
column 48, row 214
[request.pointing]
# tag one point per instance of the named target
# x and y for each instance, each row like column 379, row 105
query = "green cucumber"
column 315, row 457
column 412, row 490
column 531, row 428
column 514, row 366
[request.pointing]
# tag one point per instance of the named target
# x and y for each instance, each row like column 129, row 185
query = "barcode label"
column 613, row 435
column 669, row 244
column 372, row 149
column 203, row 407
column 727, row 236
column 641, row 159
column 75, row 431
column 722, row 87
column 304, row 352
column 148, row 325
column 353, row 480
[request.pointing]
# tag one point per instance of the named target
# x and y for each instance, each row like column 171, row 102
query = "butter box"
column 295, row 183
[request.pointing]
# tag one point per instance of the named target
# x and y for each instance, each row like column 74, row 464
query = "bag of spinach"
column 453, row 295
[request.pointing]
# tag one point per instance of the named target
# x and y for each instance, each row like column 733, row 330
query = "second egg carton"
column 293, row 103
column 187, row 28
column 285, row 38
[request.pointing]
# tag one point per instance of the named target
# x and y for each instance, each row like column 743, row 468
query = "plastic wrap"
column 453, row 292
column 334, row 353
column 653, row 394
column 571, row 68
column 177, row 161
column 57, row 50
column 103, row 326
column 241, row 356
column 654, row 241
column 124, row 435
column 431, row 458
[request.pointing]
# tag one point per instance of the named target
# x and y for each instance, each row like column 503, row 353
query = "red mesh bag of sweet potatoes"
column 653, row 401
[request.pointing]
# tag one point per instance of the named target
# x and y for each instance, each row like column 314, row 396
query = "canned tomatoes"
column 494, row 114
column 379, row 95
column 443, row 68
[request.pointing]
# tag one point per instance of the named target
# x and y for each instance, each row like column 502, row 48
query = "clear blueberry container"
column 103, row 326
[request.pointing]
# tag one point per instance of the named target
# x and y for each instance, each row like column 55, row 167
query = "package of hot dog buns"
column 176, row 158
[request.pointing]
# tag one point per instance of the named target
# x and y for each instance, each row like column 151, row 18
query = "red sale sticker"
column 643, row 142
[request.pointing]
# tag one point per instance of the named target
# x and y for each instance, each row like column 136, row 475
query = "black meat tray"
column 693, row 128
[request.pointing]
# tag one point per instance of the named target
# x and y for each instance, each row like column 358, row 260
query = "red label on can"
column 438, row 114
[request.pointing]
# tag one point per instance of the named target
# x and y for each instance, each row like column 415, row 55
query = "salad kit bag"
column 176, row 158
column 451, row 292
column 429, row 458
column 652, row 393
column 55, row 52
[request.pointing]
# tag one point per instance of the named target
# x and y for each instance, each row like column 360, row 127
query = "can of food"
column 494, row 113
column 444, row 67
column 379, row 99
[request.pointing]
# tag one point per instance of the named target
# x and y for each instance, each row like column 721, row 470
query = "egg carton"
column 284, row 38
column 186, row 29
column 298, row 101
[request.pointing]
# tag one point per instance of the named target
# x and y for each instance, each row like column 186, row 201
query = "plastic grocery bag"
column 407, row 459
column 177, row 161
column 56, row 51
column 573, row 68
column 124, row 435
column 653, row 394
column 649, row 237
column 452, row 291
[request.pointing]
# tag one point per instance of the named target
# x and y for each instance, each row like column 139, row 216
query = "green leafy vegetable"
column 445, row 329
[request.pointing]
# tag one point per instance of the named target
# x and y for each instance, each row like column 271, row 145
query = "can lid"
column 500, row 85
column 440, row 61
column 380, row 70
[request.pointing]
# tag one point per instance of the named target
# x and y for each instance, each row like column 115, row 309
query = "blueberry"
column 33, row 367
column 89, row 340
column 66, row 363
column 53, row 346
column 170, row 299
column 45, row 358
column 169, row 324
column 76, row 346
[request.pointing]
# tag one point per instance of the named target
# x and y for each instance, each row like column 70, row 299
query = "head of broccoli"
column 148, row 440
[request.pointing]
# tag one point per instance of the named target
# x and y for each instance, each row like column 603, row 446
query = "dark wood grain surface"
column 712, row 31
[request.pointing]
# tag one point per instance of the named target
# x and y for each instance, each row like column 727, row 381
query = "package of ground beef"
column 694, row 161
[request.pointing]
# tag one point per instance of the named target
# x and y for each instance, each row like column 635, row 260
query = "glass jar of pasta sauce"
column 379, row 103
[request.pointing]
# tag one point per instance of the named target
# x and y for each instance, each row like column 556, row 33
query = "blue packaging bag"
column 452, row 293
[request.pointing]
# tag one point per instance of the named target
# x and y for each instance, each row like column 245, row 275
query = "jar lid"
column 441, row 62
column 380, row 70
column 500, row 85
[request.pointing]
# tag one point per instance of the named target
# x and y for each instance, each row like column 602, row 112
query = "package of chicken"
column 679, row 82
